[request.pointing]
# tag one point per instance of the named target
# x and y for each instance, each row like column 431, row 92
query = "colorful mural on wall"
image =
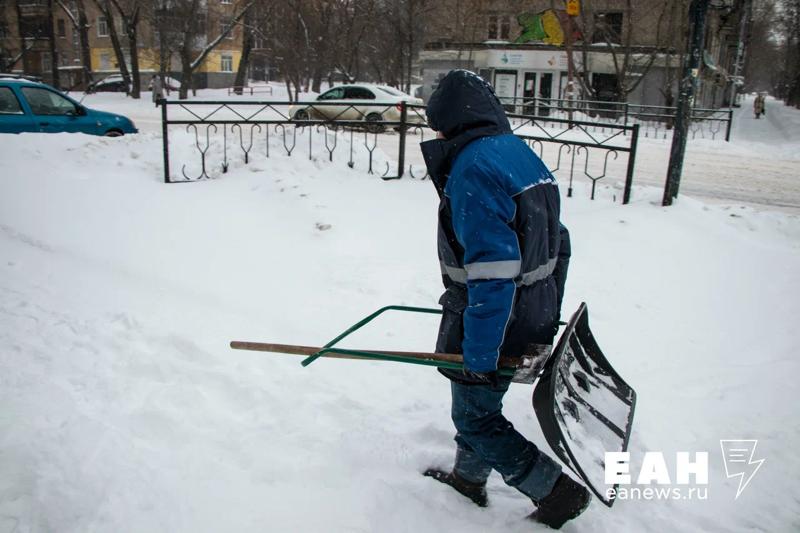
column 543, row 27
column 546, row 26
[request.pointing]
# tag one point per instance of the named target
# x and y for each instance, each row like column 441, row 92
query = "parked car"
column 109, row 84
column 370, row 103
column 169, row 83
column 27, row 106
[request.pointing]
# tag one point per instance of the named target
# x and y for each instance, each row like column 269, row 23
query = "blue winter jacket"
column 503, row 252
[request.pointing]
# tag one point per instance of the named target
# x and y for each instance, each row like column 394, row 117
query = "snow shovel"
column 584, row 407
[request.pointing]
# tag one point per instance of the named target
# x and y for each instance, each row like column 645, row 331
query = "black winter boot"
column 474, row 491
column 567, row 500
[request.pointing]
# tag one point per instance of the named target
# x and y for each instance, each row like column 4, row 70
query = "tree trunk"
column 289, row 88
column 244, row 62
column 53, row 52
column 105, row 8
column 164, row 59
column 83, row 35
column 22, row 45
column 316, row 82
column 793, row 98
column 134, row 52
column 186, row 75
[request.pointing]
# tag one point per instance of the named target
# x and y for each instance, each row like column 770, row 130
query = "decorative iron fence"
column 222, row 130
column 654, row 121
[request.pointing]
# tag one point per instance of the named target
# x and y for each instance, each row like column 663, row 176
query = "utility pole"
column 688, row 86
column 573, row 8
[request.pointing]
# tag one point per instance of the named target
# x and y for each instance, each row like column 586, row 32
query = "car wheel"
column 301, row 114
column 113, row 133
column 371, row 120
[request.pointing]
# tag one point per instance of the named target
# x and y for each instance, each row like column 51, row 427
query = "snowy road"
column 715, row 170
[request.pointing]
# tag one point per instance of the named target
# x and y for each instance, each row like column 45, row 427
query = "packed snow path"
column 123, row 409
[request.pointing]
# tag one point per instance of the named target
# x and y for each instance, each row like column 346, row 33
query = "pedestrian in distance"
column 504, row 256
column 759, row 105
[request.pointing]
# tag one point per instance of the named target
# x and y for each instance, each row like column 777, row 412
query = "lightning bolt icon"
column 739, row 462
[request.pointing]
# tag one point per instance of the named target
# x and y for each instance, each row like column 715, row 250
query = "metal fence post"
column 626, row 195
column 625, row 120
column 165, row 138
column 401, row 158
column 728, row 128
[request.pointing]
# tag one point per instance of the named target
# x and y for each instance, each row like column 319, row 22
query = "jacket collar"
column 440, row 154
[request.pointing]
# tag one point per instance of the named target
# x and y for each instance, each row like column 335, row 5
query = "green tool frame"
column 330, row 347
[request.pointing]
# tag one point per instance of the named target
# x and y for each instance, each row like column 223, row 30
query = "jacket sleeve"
column 481, row 212
column 562, row 264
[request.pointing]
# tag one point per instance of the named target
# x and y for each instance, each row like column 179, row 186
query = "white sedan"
column 367, row 102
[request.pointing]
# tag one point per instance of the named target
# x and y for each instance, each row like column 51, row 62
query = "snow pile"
column 123, row 409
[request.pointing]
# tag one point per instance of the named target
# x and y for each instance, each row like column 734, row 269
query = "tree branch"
column 214, row 42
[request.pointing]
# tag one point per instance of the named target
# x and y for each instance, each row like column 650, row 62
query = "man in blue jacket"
column 504, row 257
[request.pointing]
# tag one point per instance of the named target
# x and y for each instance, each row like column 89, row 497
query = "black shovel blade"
column 584, row 407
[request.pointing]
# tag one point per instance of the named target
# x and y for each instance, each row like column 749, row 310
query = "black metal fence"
column 242, row 128
column 654, row 121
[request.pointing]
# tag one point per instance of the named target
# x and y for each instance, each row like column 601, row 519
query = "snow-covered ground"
column 122, row 407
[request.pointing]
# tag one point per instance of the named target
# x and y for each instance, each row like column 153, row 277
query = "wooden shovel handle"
column 294, row 349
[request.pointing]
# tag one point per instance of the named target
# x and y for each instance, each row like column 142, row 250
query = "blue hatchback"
column 28, row 106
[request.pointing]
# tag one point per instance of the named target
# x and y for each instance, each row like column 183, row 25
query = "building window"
column 102, row 27
column 499, row 27
column 62, row 28
column 105, row 61
column 227, row 63
column 607, row 27
column 47, row 64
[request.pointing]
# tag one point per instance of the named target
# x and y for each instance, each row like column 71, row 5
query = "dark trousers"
column 486, row 441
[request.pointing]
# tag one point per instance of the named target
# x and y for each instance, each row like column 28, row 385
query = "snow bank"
column 123, row 409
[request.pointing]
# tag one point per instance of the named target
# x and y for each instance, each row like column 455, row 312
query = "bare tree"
column 107, row 10
column 130, row 15
column 248, row 32
column 763, row 49
column 11, row 55
column 52, row 45
column 791, row 21
column 191, row 51
column 80, row 23
column 631, row 64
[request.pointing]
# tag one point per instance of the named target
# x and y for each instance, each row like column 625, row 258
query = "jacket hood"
column 463, row 108
column 464, row 101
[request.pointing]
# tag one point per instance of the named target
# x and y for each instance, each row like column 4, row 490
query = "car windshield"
column 389, row 90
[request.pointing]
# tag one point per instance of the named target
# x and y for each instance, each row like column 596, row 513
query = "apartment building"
column 42, row 38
